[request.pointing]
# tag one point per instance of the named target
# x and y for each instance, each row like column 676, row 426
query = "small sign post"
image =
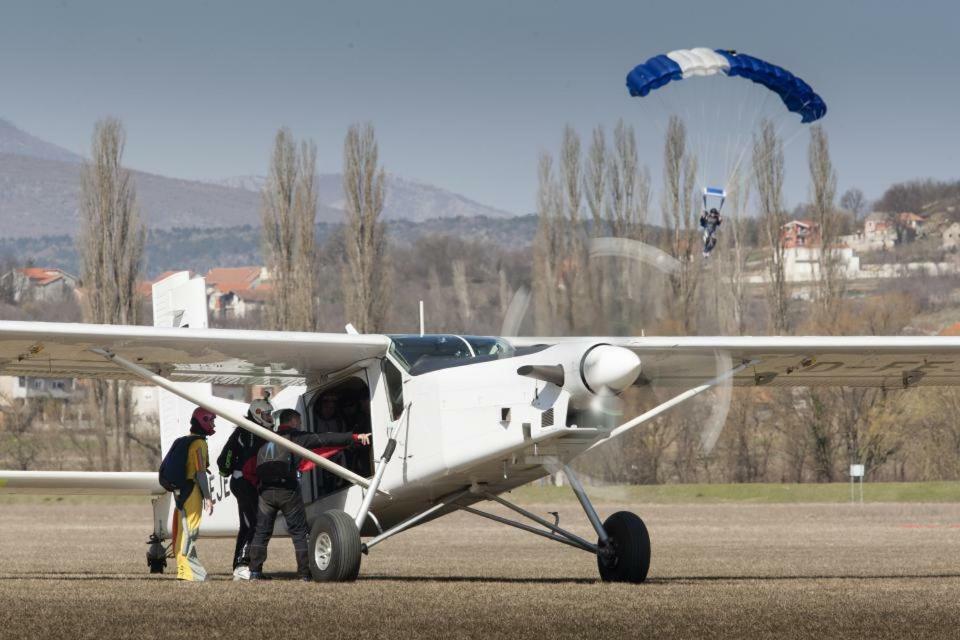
column 856, row 471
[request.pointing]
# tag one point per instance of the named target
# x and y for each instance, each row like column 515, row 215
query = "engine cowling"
column 586, row 370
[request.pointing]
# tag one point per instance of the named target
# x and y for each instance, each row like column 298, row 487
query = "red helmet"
column 203, row 420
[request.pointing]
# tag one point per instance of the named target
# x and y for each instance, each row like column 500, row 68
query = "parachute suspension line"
column 780, row 123
column 745, row 133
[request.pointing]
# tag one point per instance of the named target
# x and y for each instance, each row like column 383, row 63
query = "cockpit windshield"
column 420, row 354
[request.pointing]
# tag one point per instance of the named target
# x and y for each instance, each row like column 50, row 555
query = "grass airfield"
column 722, row 566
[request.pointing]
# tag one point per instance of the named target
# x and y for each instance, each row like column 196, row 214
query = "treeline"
column 200, row 249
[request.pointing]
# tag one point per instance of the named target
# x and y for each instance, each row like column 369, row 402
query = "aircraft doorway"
column 343, row 407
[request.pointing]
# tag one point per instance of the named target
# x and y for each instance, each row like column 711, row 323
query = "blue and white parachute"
column 681, row 64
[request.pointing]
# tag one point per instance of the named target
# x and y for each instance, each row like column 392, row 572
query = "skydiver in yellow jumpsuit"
column 187, row 524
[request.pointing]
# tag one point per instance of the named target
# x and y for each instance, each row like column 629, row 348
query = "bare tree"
column 594, row 180
column 628, row 204
column 854, row 201
column 289, row 212
column 461, row 290
column 680, row 214
column 830, row 281
column 573, row 273
column 21, row 442
column 768, row 175
column 365, row 272
column 504, row 290
column 111, row 251
column 598, row 272
column 547, row 249
column 629, row 186
column 733, row 315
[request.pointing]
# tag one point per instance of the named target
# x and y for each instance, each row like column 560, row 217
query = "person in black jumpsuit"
column 280, row 490
column 240, row 447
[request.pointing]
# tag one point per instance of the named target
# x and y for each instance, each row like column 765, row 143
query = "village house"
column 236, row 292
column 38, row 284
column 27, row 388
column 950, row 236
column 911, row 221
column 800, row 233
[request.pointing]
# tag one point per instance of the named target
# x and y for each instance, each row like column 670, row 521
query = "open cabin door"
column 343, row 405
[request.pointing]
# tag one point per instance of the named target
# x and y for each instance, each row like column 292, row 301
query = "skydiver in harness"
column 710, row 219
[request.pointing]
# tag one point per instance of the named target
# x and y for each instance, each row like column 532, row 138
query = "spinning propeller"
column 607, row 370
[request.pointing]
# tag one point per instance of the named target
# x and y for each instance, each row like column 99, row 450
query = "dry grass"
column 882, row 570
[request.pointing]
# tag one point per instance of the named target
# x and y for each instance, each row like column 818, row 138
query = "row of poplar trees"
column 111, row 246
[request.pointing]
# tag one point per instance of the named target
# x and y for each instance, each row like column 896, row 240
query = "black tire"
column 156, row 555
column 628, row 558
column 337, row 559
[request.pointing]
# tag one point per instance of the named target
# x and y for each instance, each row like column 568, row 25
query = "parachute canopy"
column 681, row 64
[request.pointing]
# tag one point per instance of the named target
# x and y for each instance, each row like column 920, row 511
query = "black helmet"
column 714, row 211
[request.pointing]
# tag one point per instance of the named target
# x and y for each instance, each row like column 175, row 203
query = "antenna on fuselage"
column 421, row 317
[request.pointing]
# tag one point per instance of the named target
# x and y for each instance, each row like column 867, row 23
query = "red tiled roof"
column 952, row 330
column 260, row 294
column 41, row 276
column 227, row 279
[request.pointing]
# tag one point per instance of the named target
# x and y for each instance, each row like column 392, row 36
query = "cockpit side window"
column 420, row 354
column 394, row 382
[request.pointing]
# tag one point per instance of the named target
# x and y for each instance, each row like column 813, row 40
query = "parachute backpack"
column 173, row 469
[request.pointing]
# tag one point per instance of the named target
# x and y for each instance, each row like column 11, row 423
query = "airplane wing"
column 48, row 349
column 892, row 362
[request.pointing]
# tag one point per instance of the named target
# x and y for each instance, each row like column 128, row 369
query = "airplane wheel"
column 334, row 548
column 628, row 557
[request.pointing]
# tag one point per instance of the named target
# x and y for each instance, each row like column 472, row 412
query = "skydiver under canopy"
column 710, row 219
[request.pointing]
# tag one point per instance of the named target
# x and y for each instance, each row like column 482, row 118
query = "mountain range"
column 40, row 187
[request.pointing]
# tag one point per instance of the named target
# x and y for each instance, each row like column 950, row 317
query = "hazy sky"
column 464, row 95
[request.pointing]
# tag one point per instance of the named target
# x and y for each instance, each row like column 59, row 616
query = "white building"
column 24, row 387
column 950, row 236
column 802, row 266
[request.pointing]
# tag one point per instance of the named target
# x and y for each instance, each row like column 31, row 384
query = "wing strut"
column 148, row 376
column 672, row 402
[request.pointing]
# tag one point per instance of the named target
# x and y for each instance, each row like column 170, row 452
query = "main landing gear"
column 622, row 548
column 334, row 544
column 334, row 548
column 623, row 544
column 626, row 557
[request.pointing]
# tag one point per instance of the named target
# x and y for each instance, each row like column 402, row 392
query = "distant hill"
column 40, row 186
column 200, row 249
column 405, row 199
column 14, row 141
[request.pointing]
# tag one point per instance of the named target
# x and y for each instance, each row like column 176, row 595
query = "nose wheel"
column 626, row 555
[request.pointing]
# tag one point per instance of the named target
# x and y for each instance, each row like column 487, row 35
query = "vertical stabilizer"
column 179, row 301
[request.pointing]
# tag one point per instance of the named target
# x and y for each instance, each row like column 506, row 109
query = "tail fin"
column 179, row 301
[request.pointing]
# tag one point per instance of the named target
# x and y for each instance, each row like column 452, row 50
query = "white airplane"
column 456, row 420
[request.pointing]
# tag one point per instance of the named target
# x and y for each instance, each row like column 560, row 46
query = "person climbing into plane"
column 279, row 487
column 184, row 471
column 240, row 447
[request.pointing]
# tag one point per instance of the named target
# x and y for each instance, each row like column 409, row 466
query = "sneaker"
column 306, row 578
column 241, row 573
column 259, row 575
